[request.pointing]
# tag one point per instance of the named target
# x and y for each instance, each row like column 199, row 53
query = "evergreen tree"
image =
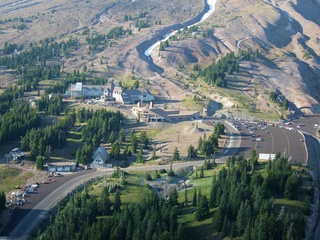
column 194, row 199
column 112, row 137
column 144, row 139
column 199, row 144
column 154, row 154
column 39, row 163
column 173, row 197
column 186, row 201
column 140, row 158
column 192, row 152
column 115, row 150
column 134, row 143
column 117, row 201
column 2, row 201
column 122, row 136
column 202, row 208
column 105, row 201
column 217, row 220
column 176, row 155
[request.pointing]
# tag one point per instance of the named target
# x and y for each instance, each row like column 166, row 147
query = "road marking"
column 272, row 140
column 288, row 153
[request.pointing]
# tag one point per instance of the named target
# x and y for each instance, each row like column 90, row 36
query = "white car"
column 258, row 139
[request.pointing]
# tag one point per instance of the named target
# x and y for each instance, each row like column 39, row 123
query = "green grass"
column 133, row 192
column 191, row 103
column 291, row 206
column 12, row 177
column 74, row 136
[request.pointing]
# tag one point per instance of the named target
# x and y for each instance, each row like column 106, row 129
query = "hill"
column 285, row 32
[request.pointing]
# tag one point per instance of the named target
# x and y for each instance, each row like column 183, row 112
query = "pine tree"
column 2, row 201
column 154, row 155
column 39, row 163
column 176, row 155
column 117, row 201
column 140, row 158
column 112, row 137
column 194, row 199
column 186, row 201
column 122, row 136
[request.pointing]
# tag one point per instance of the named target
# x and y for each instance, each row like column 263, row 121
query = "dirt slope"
column 287, row 33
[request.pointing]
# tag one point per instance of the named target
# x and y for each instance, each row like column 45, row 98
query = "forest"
column 241, row 203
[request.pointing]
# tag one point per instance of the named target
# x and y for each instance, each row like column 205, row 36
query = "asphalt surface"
column 34, row 198
column 274, row 139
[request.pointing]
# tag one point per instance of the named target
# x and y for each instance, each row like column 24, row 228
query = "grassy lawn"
column 12, row 177
column 133, row 192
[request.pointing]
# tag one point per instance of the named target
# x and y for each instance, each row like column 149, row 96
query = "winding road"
column 49, row 194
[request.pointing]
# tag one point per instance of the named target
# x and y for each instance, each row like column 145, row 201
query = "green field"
column 11, row 178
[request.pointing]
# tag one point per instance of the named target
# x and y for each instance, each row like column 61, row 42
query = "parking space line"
column 288, row 153
column 272, row 140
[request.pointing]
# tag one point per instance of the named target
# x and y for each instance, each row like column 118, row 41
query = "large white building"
column 80, row 90
column 126, row 96
column 109, row 92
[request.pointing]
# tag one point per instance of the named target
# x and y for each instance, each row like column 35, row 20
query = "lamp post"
column 178, row 135
column 21, row 143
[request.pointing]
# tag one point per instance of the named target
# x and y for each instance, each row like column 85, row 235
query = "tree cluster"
column 38, row 140
column 17, row 122
column 11, row 47
column 50, row 105
column 215, row 74
column 88, row 217
column 99, row 126
column 245, row 201
column 208, row 146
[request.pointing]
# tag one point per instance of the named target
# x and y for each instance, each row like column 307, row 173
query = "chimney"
column 151, row 105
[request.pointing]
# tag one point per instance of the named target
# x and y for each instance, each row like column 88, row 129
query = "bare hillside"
column 287, row 34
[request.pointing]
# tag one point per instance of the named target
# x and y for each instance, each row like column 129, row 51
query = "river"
column 145, row 48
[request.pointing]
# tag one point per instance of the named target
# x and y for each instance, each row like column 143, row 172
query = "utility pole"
column 7, row 156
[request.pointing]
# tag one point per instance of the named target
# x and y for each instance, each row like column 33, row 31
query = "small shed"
column 267, row 156
column 62, row 167
column 100, row 156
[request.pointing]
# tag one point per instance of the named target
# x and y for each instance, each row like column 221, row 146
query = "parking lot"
column 271, row 139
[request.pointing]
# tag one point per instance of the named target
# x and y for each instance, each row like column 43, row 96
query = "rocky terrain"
column 286, row 33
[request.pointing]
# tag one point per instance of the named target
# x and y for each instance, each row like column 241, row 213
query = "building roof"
column 102, row 153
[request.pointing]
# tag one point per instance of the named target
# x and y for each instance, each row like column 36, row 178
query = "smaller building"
column 267, row 156
column 148, row 113
column 100, row 157
column 61, row 167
